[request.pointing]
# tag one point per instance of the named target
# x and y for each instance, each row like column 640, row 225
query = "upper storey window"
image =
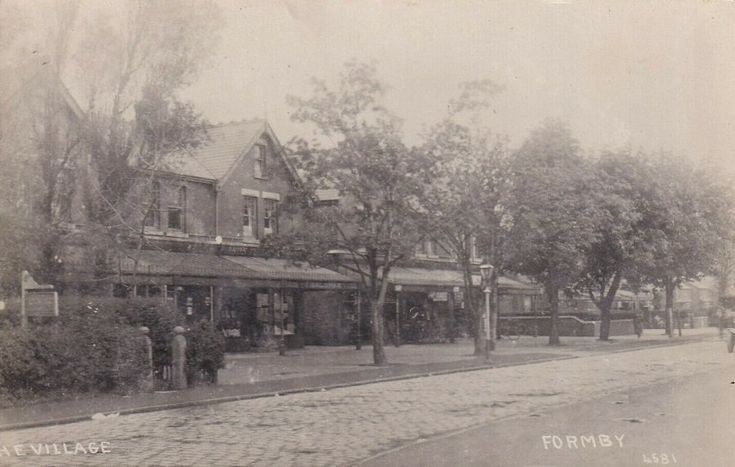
column 153, row 216
column 260, row 161
column 177, row 211
column 249, row 217
column 270, row 216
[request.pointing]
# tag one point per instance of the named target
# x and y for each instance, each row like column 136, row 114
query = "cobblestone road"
column 342, row 426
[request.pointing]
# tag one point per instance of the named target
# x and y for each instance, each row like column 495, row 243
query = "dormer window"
column 421, row 248
column 260, row 161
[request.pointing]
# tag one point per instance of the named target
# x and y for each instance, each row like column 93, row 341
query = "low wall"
column 568, row 326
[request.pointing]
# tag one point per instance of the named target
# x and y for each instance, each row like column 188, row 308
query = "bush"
column 83, row 352
column 205, row 350
column 160, row 318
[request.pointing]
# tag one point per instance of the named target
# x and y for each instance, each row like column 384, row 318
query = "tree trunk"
column 376, row 308
column 669, row 308
column 605, row 306
column 553, row 293
column 605, row 317
column 475, row 312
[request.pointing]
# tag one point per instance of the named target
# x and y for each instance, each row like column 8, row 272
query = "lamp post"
column 398, row 289
column 486, row 272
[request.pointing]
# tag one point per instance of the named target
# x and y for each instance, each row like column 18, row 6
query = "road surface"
column 344, row 426
column 687, row 422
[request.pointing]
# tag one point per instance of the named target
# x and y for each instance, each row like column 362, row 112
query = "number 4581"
column 659, row 458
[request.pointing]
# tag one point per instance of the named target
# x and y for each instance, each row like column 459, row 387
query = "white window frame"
column 180, row 205
column 261, row 160
column 250, row 231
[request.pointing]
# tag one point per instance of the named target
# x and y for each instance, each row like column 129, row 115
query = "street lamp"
column 486, row 272
column 398, row 288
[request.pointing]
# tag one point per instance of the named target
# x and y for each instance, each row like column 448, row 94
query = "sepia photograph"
column 367, row 233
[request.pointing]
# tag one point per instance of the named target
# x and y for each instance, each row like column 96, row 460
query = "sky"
column 648, row 75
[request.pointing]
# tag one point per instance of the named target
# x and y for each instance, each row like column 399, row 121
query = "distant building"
column 695, row 302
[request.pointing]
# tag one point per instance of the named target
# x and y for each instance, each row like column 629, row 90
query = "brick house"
column 209, row 212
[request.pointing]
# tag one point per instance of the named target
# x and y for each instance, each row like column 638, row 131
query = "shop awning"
column 282, row 269
column 193, row 265
column 450, row 278
column 169, row 263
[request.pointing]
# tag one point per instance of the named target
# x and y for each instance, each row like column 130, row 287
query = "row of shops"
column 257, row 301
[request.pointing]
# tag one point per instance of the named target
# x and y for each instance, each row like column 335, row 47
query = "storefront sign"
column 439, row 296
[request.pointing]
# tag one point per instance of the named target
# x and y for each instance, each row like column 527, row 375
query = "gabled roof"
column 225, row 147
column 14, row 82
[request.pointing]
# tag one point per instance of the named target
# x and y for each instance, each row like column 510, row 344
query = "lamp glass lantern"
column 486, row 271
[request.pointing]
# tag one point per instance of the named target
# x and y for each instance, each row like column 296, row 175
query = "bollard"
column 178, row 356
column 148, row 346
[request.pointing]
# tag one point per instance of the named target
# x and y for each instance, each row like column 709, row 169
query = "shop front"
column 429, row 305
column 257, row 303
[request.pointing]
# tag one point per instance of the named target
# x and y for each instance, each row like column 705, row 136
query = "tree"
column 135, row 123
column 40, row 151
column 624, row 231
column 692, row 221
column 130, row 126
column 461, row 202
column 554, row 220
column 366, row 162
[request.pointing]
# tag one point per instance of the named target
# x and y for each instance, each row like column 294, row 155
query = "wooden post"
column 23, row 315
column 489, row 341
column 358, row 332
column 282, row 336
column 211, row 304
column 398, row 315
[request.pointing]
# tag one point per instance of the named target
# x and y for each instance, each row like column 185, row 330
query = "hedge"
column 80, row 354
column 96, row 345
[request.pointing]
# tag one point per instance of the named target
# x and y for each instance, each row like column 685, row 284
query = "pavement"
column 249, row 376
column 355, row 423
column 686, row 421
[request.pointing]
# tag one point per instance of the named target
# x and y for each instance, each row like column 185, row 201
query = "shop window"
column 270, row 216
column 260, row 161
column 121, row 290
column 177, row 211
column 249, row 217
column 153, row 216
